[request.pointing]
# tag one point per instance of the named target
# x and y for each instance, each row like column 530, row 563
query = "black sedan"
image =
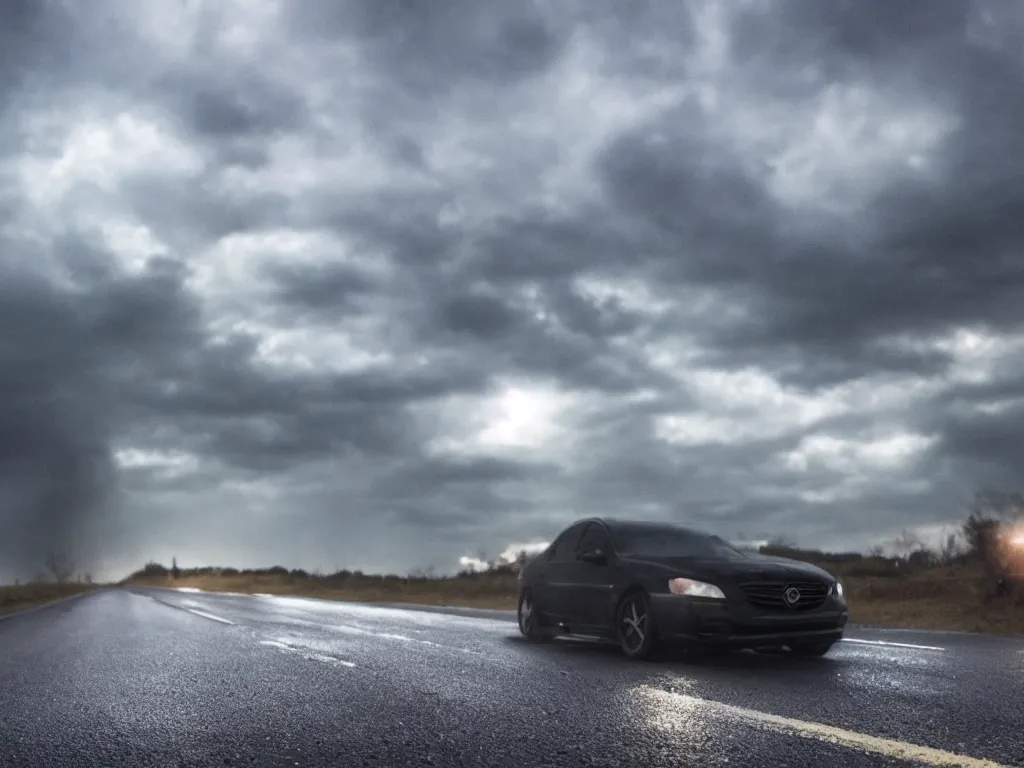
column 641, row 583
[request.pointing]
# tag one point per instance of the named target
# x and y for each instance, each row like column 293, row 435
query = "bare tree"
column 922, row 558
column 993, row 513
column 907, row 543
column 522, row 559
column 59, row 567
column 999, row 505
column 950, row 548
column 981, row 534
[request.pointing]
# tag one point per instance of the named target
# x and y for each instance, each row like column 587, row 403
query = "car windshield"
column 671, row 542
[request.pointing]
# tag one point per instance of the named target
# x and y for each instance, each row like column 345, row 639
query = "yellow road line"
column 825, row 733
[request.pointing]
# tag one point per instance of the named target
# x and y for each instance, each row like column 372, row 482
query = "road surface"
column 174, row 678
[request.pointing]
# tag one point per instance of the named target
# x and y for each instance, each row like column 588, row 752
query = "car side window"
column 565, row 546
column 593, row 538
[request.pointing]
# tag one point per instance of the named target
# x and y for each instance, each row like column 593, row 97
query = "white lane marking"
column 322, row 657
column 276, row 644
column 187, row 589
column 906, row 631
column 210, row 616
column 827, row 733
column 887, row 644
column 349, row 629
column 378, row 613
column 261, row 594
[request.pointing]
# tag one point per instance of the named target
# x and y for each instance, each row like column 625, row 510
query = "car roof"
column 618, row 525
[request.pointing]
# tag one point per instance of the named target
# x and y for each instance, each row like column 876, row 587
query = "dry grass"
column 947, row 597
column 19, row 598
column 955, row 598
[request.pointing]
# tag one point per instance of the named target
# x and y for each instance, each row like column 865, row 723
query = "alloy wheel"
column 526, row 615
column 633, row 624
column 531, row 622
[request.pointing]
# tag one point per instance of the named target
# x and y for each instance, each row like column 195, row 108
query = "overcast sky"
column 384, row 284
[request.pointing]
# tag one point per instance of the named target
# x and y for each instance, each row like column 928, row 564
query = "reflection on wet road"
column 160, row 677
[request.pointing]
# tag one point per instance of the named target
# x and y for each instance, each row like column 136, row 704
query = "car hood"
column 739, row 568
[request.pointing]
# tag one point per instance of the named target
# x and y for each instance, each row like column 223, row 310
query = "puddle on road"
column 358, row 631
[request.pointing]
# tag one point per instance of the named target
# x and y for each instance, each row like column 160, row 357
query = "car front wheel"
column 529, row 620
column 635, row 627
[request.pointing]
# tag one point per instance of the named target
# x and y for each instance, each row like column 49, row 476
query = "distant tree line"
column 982, row 539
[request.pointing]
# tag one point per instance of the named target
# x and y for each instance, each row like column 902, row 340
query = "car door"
column 589, row 588
column 553, row 599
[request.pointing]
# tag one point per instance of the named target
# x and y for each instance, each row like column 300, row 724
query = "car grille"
column 771, row 594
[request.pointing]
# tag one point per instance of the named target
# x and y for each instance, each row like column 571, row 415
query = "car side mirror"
column 595, row 556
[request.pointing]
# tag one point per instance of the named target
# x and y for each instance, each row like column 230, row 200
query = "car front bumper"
column 738, row 625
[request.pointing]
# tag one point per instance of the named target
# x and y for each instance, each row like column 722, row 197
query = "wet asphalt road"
column 140, row 678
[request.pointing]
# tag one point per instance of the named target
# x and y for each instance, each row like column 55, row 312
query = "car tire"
column 635, row 627
column 529, row 620
column 811, row 649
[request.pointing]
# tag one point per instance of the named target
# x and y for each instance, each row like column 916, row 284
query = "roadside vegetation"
column 955, row 587
column 57, row 582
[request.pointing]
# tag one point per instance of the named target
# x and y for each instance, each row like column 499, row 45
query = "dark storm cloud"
column 816, row 297
column 482, row 470
column 438, row 47
column 470, row 483
column 794, row 32
column 686, row 189
column 572, row 343
column 479, row 315
column 33, row 40
column 328, row 291
column 240, row 107
column 237, row 112
column 104, row 359
column 537, row 245
column 269, row 443
column 988, row 440
column 65, row 354
column 55, row 463
column 400, row 224
column 212, row 213
column 253, row 419
column 471, row 306
column 227, row 408
column 925, row 256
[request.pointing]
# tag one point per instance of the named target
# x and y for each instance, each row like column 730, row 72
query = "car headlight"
column 692, row 588
column 837, row 590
